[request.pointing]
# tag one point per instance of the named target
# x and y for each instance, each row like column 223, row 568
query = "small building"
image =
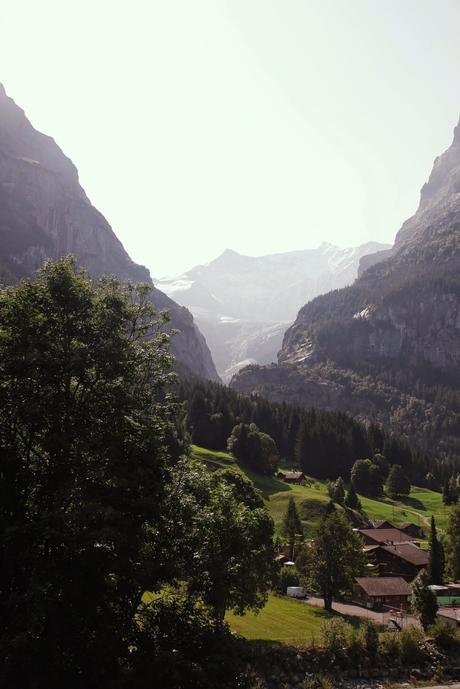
column 292, row 476
column 381, row 524
column 281, row 559
column 399, row 560
column 412, row 529
column 379, row 593
column 384, row 536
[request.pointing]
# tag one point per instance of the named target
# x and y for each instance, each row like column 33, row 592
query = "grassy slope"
column 281, row 620
column 312, row 499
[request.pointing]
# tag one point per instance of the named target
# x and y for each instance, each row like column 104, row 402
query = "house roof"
column 293, row 475
column 386, row 535
column 381, row 524
column 408, row 552
column 384, row 586
column 406, row 524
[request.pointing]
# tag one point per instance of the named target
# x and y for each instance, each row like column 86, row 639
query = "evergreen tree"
column 292, row 526
column 336, row 490
column 453, row 543
column 352, row 501
column 436, row 563
column 302, row 448
column 424, row 602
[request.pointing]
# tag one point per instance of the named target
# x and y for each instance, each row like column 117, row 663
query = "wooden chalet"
column 398, row 560
column 384, row 536
column 382, row 592
column 292, row 476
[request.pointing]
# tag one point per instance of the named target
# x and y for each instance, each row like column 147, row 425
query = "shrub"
column 288, row 576
column 318, row 682
column 389, row 646
column 444, row 636
column 334, row 634
column 410, row 640
column 371, row 639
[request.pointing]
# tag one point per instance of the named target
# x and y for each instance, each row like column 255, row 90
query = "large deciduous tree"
column 333, row 559
column 227, row 559
column 398, row 483
column 85, row 436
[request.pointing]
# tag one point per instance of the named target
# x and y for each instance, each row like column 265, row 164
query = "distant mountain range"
column 45, row 213
column 244, row 304
column 387, row 348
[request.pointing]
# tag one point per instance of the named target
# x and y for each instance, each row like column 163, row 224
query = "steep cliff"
column 388, row 347
column 45, row 213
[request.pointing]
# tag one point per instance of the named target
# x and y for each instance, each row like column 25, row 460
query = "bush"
column 318, row 682
column 444, row 636
column 371, row 639
column 389, row 646
column 334, row 634
column 410, row 640
column 288, row 576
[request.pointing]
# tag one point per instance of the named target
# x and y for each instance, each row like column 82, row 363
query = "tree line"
column 323, row 444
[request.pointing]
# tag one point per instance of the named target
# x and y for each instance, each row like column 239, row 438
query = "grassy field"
column 312, row 499
column 282, row 620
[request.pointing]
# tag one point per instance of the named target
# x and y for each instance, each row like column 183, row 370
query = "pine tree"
column 424, row 602
column 292, row 526
column 453, row 543
column 352, row 501
column 436, row 563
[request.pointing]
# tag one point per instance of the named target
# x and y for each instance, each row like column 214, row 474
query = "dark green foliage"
column 366, row 478
column 288, row 576
column 398, row 483
column 336, row 490
column 436, row 563
column 450, row 491
column 179, row 644
column 424, row 602
column 453, row 543
column 352, row 501
column 85, row 434
column 292, row 526
column 256, row 449
column 224, row 538
column 323, row 444
column 333, row 559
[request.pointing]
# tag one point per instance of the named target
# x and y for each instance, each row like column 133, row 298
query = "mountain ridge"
column 387, row 348
column 238, row 305
column 45, row 213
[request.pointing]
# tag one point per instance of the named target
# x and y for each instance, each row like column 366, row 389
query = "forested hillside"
column 323, row 444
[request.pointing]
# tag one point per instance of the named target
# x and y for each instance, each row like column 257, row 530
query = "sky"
column 259, row 125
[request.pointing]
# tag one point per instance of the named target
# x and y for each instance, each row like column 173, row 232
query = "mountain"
column 387, row 348
column 239, row 306
column 45, row 213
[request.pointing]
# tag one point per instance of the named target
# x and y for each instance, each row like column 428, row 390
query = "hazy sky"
column 260, row 125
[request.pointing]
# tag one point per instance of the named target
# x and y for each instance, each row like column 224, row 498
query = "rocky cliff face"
column 45, row 213
column 238, row 305
column 393, row 337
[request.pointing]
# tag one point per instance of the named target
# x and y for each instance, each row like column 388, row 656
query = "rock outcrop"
column 45, row 213
column 387, row 348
